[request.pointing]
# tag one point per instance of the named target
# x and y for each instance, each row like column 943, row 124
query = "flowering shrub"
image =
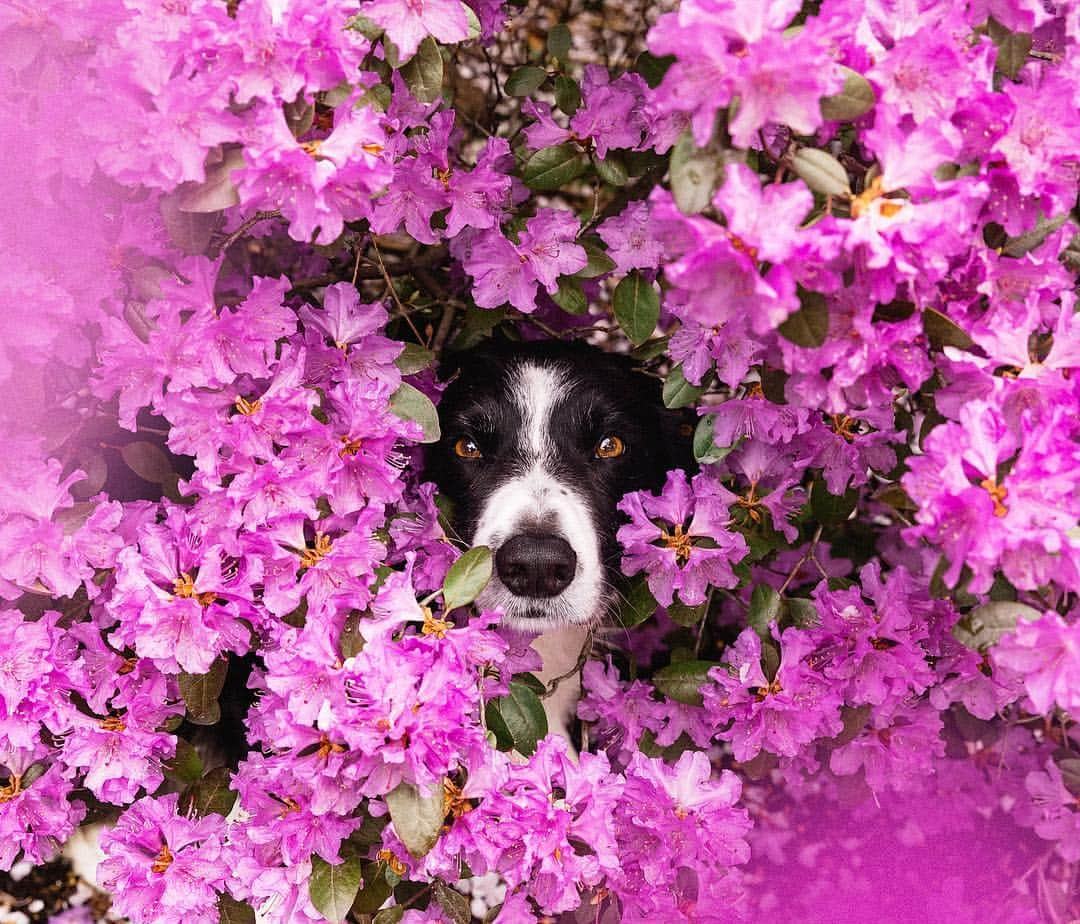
column 243, row 232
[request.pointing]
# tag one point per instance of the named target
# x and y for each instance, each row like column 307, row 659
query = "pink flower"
column 409, row 23
column 163, row 867
column 680, row 538
column 1046, row 654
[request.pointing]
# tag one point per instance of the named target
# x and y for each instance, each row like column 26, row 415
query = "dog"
column 539, row 443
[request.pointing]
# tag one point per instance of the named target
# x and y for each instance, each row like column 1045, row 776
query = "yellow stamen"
column 247, row 408
column 312, row 555
column 184, row 586
column 162, row 861
column 844, row 426
column 391, row 860
column 11, row 789
column 350, row 446
column 291, row 805
column 328, row 747
column 113, row 724
column 862, row 201
column 772, row 689
column 454, row 803
column 998, row 493
column 433, row 625
column 680, row 543
column 311, row 147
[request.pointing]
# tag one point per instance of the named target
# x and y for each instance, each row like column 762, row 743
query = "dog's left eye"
column 466, row 448
column 610, row 447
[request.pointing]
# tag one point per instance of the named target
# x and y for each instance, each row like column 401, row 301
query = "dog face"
column 539, row 443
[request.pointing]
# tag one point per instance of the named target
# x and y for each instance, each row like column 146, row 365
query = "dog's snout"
column 536, row 566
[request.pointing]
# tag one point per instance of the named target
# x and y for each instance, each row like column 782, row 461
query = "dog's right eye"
column 466, row 448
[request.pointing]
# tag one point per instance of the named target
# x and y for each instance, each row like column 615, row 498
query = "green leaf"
column 653, row 68
column 612, row 170
column 1012, row 53
column 855, row 99
column 567, row 94
column 147, row 460
column 683, row 681
column 821, row 171
column 211, row 794
column 417, row 817
column 410, row 404
column 333, row 887
column 637, row 307
column 230, row 911
column 414, row 358
column 189, row 231
column 453, row 903
column 390, row 915
column 475, row 28
column 366, row 27
column 559, row 41
column 525, row 80
column 831, row 509
column 636, row 603
column 217, row 191
column 694, row 175
column 942, row 331
column 985, row 624
column 550, row 168
column 678, row 392
column 186, row 766
column 809, row 326
column 803, row 613
column 423, row 73
column 1029, row 240
column 598, row 263
column 1070, row 773
column 766, row 606
column 854, row 719
column 374, row 891
column 686, row 615
column 467, row 577
column 517, row 719
column 705, row 450
column 570, row 296
column 201, row 692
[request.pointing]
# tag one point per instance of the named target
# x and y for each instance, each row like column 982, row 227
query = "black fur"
column 608, row 394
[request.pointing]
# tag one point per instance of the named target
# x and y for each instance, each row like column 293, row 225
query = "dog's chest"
column 560, row 650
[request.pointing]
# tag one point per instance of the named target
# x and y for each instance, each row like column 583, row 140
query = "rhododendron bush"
column 843, row 678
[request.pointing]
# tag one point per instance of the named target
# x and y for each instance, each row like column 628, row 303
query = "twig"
column 245, row 226
column 393, row 292
column 808, row 555
column 701, row 625
column 446, row 322
column 586, row 648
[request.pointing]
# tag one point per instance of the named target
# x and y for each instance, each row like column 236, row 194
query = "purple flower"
column 163, row 867
column 505, row 272
column 896, row 751
column 1046, row 654
column 781, row 715
column 1053, row 812
column 630, row 239
column 407, row 24
column 680, row 538
column 36, row 814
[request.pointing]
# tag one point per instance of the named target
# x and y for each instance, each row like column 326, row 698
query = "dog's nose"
column 536, row 566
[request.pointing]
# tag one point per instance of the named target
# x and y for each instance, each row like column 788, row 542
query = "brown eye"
column 466, row 448
column 610, row 447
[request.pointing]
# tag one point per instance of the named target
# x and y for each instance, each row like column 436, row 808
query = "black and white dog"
column 539, row 443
